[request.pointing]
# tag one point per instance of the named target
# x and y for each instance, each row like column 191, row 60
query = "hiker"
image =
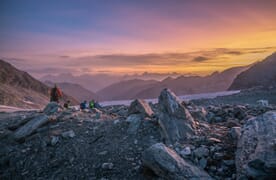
column 97, row 105
column 67, row 104
column 91, row 104
column 55, row 94
column 83, row 105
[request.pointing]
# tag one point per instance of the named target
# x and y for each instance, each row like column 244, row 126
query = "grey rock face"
column 139, row 106
column 108, row 166
column 199, row 114
column 54, row 140
column 175, row 120
column 51, row 108
column 134, row 121
column 30, row 127
column 201, row 152
column 68, row 134
column 235, row 132
column 256, row 153
column 167, row 164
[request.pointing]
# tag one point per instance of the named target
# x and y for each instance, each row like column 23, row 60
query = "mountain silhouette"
column 260, row 74
column 181, row 85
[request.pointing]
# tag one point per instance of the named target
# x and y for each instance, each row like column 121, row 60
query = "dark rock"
column 134, row 121
column 203, row 163
column 68, row 134
column 30, row 127
column 255, row 156
column 139, row 106
column 167, row 164
column 201, row 152
column 239, row 112
column 175, row 120
column 21, row 120
column 107, row 166
column 54, row 140
column 235, row 132
column 186, row 151
column 199, row 113
column 51, row 108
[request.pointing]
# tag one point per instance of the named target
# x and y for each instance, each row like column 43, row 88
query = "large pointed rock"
column 139, row 106
column 175, row 120
column 21, row 120
column 256, row 152
column 30, row 127
column 167, row 164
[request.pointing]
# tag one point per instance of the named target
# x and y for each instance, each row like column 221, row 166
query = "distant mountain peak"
column 262, row 73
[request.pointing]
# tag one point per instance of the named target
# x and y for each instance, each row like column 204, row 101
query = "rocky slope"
column 260, row 74
column 167, row 140
column 19, row 89
column 181, row 85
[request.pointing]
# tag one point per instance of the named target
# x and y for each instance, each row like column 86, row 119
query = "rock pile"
column 167, row 140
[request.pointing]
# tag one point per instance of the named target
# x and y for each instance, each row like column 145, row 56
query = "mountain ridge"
column 262, row 73
column 181, row 85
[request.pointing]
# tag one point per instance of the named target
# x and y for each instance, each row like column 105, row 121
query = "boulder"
column 167, row 164
column 107, row 166
column 199, row 113
column 263, row 102
column 51, row 108
column 134, row 121
column 175, row 120
column 186, row 151
column 256, row 155
column 139, row 106
column 68, row 134
column 235, row 132
column 20, row 120
column 201, row 152
column 239, row 112
column 30, row 127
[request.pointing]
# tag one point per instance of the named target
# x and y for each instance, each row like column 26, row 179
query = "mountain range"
column 19, row 89
column 131, row 89
column 97, row 82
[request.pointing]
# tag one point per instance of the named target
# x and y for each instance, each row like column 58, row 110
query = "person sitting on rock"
column 55, row 94
column 97, row 105
column 83, row 105
column 91, row 104
column 66, row 104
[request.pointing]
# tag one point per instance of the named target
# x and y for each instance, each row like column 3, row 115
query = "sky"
column 127, row 37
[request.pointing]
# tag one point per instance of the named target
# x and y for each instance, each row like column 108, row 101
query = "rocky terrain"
column 167, row 140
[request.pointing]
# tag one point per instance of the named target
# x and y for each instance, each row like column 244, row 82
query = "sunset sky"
column 124, row 37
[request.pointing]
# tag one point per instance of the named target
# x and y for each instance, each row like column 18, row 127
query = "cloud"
column 161, row 59
column 64, row 56
column 51, row 70
column 200, row 59
column 235, row 52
